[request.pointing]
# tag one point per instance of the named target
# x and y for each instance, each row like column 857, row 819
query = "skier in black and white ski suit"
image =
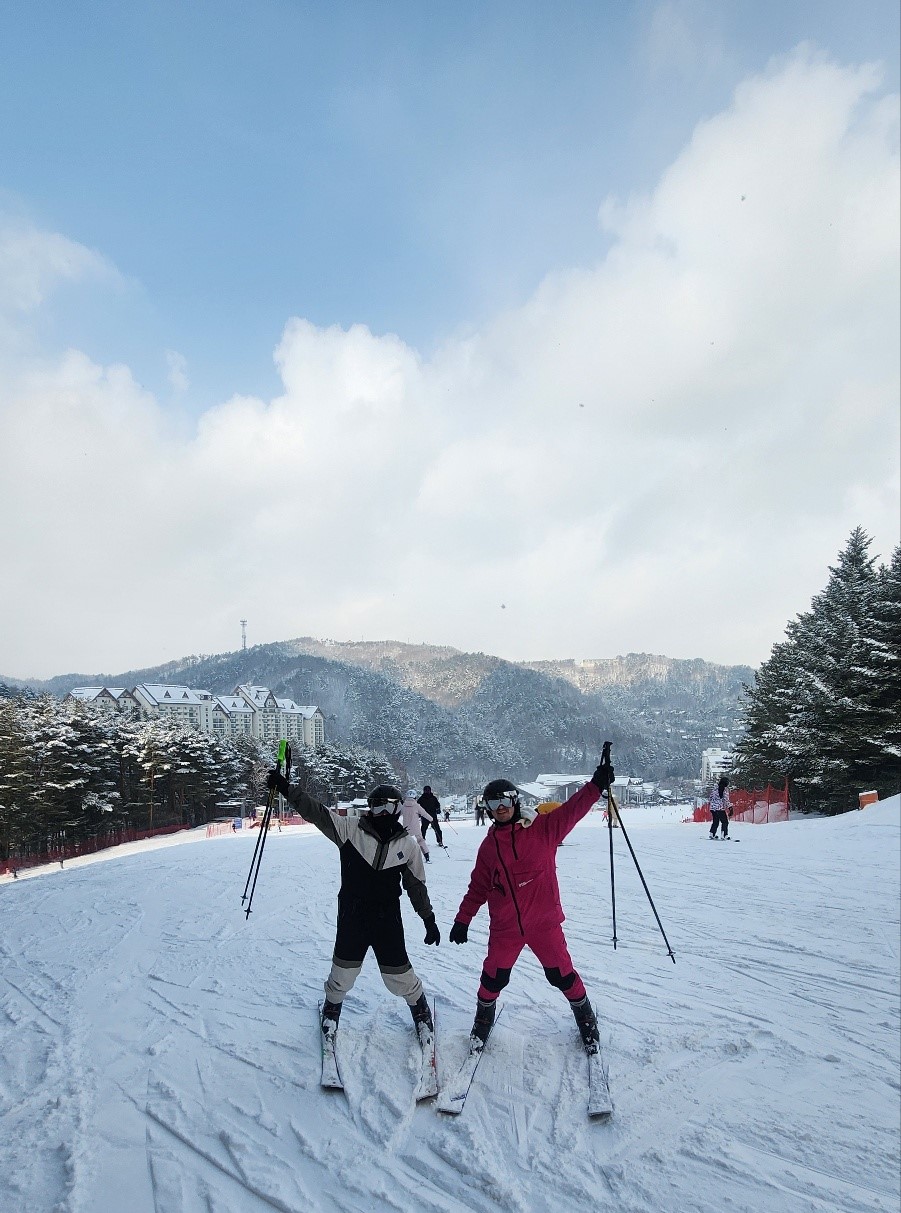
column 377, row 857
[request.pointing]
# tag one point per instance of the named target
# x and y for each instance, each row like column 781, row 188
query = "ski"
column 331, row 1075
column 600, row 1105
column 453, row 1098
column 427, row 1086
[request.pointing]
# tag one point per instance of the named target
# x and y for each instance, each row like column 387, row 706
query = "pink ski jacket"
column 516, row 869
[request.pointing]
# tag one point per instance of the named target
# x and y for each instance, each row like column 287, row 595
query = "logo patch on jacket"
column 400, row 854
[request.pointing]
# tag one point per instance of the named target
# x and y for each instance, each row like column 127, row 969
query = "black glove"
column 432, row 934
column 459, row 932
column 604, row 775
column 276, row 782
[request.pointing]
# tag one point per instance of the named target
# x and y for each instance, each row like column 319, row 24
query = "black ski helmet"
column 385, row 794
column 498, row 788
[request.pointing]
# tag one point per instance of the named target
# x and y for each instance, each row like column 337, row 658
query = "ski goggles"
column 507, row 801
column 381, row 805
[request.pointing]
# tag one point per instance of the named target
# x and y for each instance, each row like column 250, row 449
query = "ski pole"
column 612, row 807
column 284, row 756
column 256, row 848
column 605, row 761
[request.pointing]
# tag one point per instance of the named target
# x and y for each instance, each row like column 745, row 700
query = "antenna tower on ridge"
column 243, row 634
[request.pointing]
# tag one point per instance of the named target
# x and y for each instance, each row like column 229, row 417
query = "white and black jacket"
column 375, row 859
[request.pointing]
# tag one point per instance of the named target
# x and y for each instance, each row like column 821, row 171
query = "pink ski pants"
column 548, row 945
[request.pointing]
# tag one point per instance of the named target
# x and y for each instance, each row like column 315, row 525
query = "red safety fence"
column 758, row 807
column 87, row 846
column 217, row 828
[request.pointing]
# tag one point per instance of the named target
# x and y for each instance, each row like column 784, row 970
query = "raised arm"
column 311, row 810
column 571, row 812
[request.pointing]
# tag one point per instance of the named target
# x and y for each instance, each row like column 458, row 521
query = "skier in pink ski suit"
column 516, row 873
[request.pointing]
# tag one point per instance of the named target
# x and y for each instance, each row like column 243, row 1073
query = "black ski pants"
column 720, row 818
column 433, row 822
column 378, row 925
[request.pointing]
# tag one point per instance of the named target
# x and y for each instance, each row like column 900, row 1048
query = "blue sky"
column 216, row 213
column 410, row 166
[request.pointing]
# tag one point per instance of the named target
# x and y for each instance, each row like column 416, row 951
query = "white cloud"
column 32, row 262
column 663, row 451
column 178, row 372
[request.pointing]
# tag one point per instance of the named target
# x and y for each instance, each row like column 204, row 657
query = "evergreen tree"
column 769, row 749
column 885, row 673
column 16, row 778
column 818, row 713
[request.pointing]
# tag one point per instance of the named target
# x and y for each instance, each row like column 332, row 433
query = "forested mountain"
column 457, row 718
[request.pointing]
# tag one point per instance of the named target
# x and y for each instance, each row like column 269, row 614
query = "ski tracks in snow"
column 159, row 1053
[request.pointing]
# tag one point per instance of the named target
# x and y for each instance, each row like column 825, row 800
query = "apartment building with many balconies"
column 250, row 711
column 714, row 763
column 276, row 718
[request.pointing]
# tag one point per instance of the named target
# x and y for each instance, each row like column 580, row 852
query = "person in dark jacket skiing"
column 377, row 857
column 432, row 806
column 516, row 873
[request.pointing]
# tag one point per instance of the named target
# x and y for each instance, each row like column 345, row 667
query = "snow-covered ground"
column 159, row 1052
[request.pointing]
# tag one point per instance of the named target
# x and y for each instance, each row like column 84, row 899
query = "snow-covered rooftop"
column 233, row 704
column 86, row 693
column 165, row 693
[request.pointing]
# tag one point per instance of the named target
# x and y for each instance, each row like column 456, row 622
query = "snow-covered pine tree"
column 16, row 778
column 812, row 714
column 885, row 677
column 347, row 773
column 836, row 690
column 769, row 748
column 74, row 774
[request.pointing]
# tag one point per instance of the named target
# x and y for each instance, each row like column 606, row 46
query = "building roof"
column 233, row 704
column 167, row 695
column 258, row 696
column 305, row 710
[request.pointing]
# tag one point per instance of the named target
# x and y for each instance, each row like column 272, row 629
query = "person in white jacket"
column 412, row 813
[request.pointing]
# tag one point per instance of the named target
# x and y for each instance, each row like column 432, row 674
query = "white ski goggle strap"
column 508, row 800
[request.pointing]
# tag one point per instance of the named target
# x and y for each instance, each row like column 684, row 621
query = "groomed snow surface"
column 159, row 1052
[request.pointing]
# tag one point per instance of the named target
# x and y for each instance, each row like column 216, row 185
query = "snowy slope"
column 159, row 1054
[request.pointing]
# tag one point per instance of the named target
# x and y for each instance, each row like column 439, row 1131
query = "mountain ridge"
column 444, row 714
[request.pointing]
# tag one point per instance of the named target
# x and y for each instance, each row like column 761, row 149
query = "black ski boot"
column 331, row 1013
column 422, row 1013
column 484, row 1020
column 587, row 1024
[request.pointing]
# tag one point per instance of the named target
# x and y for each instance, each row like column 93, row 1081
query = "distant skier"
column 377, row 857
column 432, row 806
column 413, row 814
column 516, row 873
column 480, row 811
column 720, row 808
